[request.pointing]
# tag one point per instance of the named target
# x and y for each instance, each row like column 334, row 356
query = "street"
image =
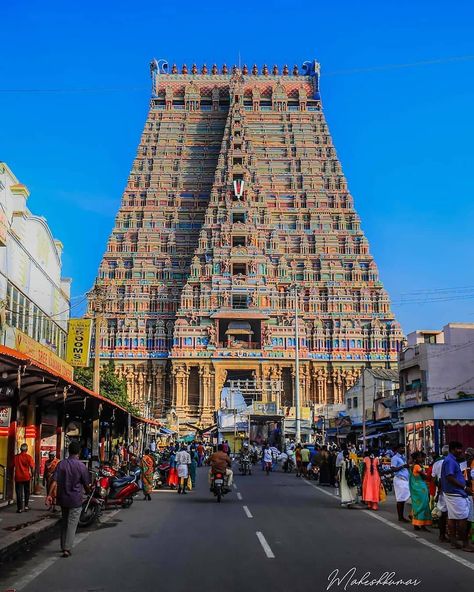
column 276, row 532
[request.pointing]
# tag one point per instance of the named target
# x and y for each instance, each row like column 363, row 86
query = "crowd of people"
column 440, row 488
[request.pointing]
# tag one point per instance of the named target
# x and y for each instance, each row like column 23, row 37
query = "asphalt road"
column 275, row 533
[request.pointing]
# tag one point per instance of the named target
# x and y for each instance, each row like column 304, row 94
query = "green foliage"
column 84, row 376
column 111, row 386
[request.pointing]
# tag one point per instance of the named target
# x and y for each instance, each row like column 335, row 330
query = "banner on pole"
column 79, row 342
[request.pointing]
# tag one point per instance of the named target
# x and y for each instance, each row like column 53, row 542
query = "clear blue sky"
column 404, row 135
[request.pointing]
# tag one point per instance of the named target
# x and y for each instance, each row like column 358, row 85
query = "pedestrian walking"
column 147, row 467
column 200, row 450
column 24, row 466
column 267, row 458
column 419, row 493
column 401, row 480
column 458, row 497
column 323, row 462
column 194, row 464
column 183, row 460
column 305, row 456
column 49, row 469
column 441, row 509
column 349, row 480
column 298, row 460
column 173, row 473
column 371, row 481
column 69, row 480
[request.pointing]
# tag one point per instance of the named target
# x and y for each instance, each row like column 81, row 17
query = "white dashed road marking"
column 247, row 512
column 265, row 545
column 239, row 496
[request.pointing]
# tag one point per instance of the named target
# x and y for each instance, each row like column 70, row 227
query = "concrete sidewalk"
column 18, row 530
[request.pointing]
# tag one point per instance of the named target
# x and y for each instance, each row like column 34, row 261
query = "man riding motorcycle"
column 244, row 458
column 220, row 463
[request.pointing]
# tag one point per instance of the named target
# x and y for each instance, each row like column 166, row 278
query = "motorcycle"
column 387, row 482
column 109, row 489
column 218, row 485
column 160, row 476
column 93, row 506
column 244, row 466
column 289, row 463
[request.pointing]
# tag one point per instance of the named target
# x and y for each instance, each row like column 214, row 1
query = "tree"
column 111, row 386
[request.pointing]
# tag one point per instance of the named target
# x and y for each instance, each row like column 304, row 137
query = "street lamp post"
column 297, row 372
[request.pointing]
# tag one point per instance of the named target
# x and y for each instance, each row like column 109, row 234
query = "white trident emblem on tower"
column 238, row 188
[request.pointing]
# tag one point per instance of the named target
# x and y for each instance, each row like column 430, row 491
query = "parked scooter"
column 109, row 490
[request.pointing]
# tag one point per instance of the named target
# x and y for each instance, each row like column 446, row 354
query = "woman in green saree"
column 419, row 493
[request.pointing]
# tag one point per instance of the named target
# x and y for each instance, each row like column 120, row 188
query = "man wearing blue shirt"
column 457, row 496
column 400, row 480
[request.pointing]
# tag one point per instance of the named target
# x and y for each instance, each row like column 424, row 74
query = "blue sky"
column 404, row 135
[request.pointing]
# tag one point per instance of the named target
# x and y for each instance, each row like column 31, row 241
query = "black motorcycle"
column 245, row 465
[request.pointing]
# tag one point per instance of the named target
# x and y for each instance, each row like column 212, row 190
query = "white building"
column 34, row 298
column 375, row 384
column 436, row 366
column 437, row 386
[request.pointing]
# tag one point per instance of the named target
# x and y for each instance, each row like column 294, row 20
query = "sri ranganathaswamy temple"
column 236, row 221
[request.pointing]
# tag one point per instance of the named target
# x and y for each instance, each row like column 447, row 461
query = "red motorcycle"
column 109, row 490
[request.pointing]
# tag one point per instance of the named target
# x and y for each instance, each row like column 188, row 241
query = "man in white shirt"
column 183, row 460
column 400, row 480
column 441, row 503
column 267, row 459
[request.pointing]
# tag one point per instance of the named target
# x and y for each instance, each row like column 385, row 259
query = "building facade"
column 235, row 221
column 437, row 386
column 34, row 311
column 34, row 296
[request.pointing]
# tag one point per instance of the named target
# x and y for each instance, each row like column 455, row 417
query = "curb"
column 15, row 540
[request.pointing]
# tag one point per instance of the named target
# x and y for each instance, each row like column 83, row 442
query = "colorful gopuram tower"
column 236, row 214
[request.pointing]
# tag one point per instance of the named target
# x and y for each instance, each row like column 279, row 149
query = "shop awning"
column 166, row 431
column 48, row 385
column 379, row 435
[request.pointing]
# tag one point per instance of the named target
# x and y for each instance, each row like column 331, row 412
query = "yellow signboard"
column 79, row 342
column 305, row 413
column 40, row 353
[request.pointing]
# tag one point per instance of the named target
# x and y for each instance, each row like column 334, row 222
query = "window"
column 238, row 241
column 239, row 301
column 238, row 217
column 239, row 268
column 349, row 403
column 355, row 402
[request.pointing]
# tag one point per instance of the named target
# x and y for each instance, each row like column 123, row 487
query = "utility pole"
column 297, row 372
column 98, row 297
column 362, row 386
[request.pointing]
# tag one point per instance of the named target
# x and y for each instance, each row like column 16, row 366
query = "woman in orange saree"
column 371, row 481
column 147, row 466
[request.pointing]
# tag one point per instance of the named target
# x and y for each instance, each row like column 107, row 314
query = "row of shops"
column 45, row 408
column 427, row 426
